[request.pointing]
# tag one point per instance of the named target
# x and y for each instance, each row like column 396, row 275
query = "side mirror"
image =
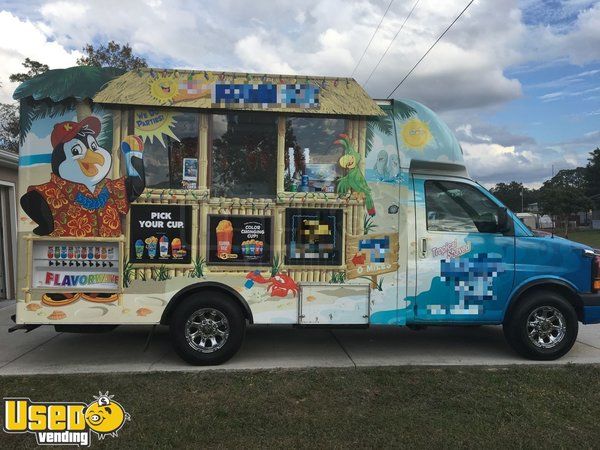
column 503, row 220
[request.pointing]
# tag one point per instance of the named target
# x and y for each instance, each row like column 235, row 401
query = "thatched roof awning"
column 298, row 94
column 79, row 83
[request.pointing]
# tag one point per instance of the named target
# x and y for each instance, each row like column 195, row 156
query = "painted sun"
column 164, row 88
column 415, row 134
column 154, row 124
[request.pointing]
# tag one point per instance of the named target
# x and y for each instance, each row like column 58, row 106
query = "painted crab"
column 279, row 285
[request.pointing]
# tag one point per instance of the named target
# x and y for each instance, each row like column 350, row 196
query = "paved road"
column 266, row 347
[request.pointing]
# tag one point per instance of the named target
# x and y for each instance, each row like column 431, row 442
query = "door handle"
column 423, row 247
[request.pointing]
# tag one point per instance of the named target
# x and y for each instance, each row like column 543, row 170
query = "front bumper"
column 591, row 308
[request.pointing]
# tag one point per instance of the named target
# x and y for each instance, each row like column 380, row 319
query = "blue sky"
column 518, row 81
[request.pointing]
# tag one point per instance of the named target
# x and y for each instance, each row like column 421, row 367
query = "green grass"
column 588, row 237
column 528, row 407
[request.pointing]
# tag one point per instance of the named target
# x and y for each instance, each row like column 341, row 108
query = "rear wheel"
column 543, row 326
column 207, row 329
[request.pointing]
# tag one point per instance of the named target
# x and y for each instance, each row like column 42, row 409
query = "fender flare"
column 563, row 285
column 199, row 287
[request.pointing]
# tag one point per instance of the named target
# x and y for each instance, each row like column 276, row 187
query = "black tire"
column 528, row 318
column 208, row 305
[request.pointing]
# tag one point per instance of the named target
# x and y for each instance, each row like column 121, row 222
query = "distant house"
column 9, row 163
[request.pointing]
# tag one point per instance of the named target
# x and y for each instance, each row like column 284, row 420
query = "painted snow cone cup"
column 139, row 249
column 224, row 237
column 163, row 246
column 176, row 248
column 151, row 244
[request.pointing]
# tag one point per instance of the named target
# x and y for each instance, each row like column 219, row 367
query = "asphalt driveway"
column 265, row 347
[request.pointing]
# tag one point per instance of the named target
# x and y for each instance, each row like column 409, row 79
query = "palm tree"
column 53, row 93
column 385, row 124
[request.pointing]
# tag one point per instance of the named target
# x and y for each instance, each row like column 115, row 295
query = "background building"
column 8, row 223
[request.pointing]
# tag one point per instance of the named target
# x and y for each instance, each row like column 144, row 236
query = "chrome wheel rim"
column 207, row 330
column 546, row 327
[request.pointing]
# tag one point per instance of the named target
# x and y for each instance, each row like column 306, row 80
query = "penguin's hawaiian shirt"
column 78, row 212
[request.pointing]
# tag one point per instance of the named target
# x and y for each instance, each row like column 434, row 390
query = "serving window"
column 313, row 236
column 243, row 160
column 311, row 157
column 170, row 148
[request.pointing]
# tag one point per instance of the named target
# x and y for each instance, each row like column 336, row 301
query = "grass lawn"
column 529, row 406
column 588, row 237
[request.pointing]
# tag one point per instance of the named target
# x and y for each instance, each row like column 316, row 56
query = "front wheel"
column 543, row 326
column 207, row 329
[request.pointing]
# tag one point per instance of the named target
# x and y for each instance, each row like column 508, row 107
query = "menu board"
column 160, row 234
column 239, row 240
column 75, row 265
column 313, row 236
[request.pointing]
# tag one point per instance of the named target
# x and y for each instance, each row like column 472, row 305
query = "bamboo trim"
column 117, row 119
column 195, row 233
column 280, row 154
column 29, row 250
column 31, row 237
column 202, row 232
column 203, row 153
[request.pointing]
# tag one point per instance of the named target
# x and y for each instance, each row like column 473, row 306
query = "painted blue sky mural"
column 517, row 81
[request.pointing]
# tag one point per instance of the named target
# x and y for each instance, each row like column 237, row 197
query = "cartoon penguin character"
column 79, row 200
column 393, row 167
column 381, row 168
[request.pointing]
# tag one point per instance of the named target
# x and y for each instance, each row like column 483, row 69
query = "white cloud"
column 463, row 77
column 20, row 39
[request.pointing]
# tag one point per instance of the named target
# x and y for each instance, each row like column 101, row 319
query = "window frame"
column 286, row 117
column 130, row 127
column 475, row 187
column 209, row 152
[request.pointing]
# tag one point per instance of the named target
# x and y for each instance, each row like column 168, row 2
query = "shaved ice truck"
column 206, row 201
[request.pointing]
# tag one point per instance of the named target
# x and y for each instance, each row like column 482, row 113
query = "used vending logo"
column 65, row 423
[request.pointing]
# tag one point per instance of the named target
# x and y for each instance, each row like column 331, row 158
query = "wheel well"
column 204, row 288
column 566, row 291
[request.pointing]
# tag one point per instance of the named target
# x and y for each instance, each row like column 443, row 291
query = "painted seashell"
column 33, row 306
column 143, row 312
column 57, row 314
column 311, row 298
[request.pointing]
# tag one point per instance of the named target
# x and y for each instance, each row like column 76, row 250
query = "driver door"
column 465, row 266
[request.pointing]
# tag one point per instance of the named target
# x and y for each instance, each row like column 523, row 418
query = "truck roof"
column 419, row 134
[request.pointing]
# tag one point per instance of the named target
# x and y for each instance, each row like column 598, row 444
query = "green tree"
column 9, row 113
column 592, row 176
column 564, row 195
column 9, row 127
column 34, row 68
column 72, row 86
column 510, row 195
column 111, row 55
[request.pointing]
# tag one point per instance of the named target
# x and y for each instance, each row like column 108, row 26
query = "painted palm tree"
column 55, row 92
column 385, row 124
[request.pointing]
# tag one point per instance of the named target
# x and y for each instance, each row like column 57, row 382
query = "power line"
column 430, row 48
column 371, row 40
column 391, row 42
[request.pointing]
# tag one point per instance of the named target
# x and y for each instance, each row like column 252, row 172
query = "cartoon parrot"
column 354, row 180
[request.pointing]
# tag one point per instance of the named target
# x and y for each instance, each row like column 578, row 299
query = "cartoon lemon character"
column 105, row 416
column 164, row 88
column 415, row 134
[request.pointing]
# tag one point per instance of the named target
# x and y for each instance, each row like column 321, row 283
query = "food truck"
column 207, row 201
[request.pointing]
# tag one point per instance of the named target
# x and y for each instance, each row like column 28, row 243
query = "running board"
column 22, row 326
